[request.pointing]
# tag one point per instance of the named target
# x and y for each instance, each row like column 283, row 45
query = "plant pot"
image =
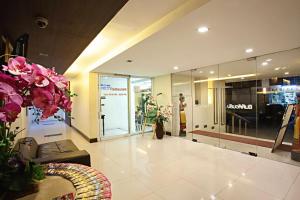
column 159, row 130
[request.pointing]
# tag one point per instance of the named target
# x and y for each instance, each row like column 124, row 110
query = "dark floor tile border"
column 90, row 140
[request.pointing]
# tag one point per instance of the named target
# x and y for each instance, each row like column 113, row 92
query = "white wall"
column 162, row 84
column 85, row 105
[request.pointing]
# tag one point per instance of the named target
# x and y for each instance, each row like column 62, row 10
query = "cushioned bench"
column 59, row 151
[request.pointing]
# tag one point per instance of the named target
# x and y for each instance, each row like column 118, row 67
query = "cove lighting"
column 225, row 78
column 202, row 29
column 175, row 67
column 264, row 63
column 249, row 50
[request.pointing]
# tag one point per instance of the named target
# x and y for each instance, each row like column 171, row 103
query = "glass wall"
column 239, row 105
column 140, row 88
column 114, row 106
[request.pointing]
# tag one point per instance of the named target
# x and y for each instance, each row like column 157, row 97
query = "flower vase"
column 159, row 130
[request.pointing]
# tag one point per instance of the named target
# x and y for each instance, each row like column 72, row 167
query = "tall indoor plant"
column 157, row 114
column 24, row 84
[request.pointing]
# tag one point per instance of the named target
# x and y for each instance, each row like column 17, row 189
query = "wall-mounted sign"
column 240, row 106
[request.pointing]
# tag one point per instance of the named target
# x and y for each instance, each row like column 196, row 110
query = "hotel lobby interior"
column 150, row 100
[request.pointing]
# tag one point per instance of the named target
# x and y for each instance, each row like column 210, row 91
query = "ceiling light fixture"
column 202, row 29
column 264, row 63
column 243, row 78
column 249, row 50
column 269, row 60
column 286, row 73
column 212, row 72
column 229, row 75
column 277, row 68
column 175, row 67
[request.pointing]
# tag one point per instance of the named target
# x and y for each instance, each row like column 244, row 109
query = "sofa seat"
column 58, row 151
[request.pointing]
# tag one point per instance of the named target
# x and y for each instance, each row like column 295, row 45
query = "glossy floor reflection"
column 140, row 168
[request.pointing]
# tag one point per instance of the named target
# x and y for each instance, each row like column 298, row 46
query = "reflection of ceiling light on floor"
column 277, row 68
column 264, row 63
column 202, row 29
column 286, row 73
column 249, row 50
column 269, row 60
column 212, row 72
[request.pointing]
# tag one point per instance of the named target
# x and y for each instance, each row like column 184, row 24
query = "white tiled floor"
column 140, row 168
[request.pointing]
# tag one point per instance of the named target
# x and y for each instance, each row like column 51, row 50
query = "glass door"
column 237, row 100
column 140, row 89
column 114, row 112
column 206, row 109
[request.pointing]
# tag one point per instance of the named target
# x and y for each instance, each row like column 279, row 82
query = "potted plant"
column 24, row 84
column 157, row 115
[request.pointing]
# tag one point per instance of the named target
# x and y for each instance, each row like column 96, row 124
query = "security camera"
column 42, row 22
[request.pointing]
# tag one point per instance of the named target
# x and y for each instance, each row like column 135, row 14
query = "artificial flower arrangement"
column 25, row 84
column 156, row 113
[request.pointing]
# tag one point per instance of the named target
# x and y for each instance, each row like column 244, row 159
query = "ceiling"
column 72, row 26
column 266, row 26
column 134, row 22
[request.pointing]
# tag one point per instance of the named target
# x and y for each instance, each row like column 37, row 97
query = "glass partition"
column 182, row 103
column 206, row 110
column 240, row 105
column 237, row 85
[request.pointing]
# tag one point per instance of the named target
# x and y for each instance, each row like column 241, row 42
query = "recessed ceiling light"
column 264, row 63
column 286, row 73
column 249, row 50
column 269, row 60
column 277, row 68
column 202, row 29
column 175, row 67
column 228, row 74
column 212, row 72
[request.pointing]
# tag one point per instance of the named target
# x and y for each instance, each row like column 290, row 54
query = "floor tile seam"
column 291, row 186
column 196, row 186
column 258, row 188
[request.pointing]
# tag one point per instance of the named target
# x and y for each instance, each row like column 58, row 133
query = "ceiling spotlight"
column 264, row 63
column 286, row 73
column 269, row 60
column 249, row 50
column 212, row 72
column 202, row 29
column 176, row 68
column 277, row 68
